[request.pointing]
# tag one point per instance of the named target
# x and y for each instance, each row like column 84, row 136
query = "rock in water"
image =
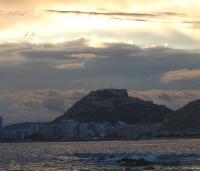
column 149, row 168
column 135, row 162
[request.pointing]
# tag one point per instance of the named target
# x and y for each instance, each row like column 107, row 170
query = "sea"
column 181, row 154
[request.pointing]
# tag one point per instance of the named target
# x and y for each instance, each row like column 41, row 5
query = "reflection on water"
column 168, row 154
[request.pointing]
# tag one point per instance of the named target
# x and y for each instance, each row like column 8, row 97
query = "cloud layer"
column 82, row 64
column 144, row 22
column 181, row 75
column 71, row 66
column 117, row 14
column 45, row 105
column 40, row 105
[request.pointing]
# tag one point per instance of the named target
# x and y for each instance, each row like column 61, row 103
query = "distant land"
column 187, row 117
column 112, row 114
column 114, row 105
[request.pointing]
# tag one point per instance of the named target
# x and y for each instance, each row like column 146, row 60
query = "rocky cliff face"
column 115, row 105
column 187, row 117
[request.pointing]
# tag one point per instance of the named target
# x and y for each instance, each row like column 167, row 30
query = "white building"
column 83, row 131
column 102, row 128
column 70, row 129
column 34, row 129
column 1, row 123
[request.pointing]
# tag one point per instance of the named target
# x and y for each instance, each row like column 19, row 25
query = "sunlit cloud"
column 53, row 21
column 70, row 66
column 181, row 75
column 84, row 56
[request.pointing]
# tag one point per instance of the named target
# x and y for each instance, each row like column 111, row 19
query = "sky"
column 53, row 52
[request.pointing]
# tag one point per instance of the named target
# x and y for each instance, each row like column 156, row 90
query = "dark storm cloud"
column 75, row 64
column 70, row 49
column 44, row 54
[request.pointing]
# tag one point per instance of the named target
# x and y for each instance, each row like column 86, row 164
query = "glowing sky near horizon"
column 145, row 22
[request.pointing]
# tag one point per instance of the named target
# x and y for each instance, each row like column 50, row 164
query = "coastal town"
column 72, row 130
column 107, row 114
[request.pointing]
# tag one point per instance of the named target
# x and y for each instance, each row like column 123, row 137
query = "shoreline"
column 117, row 140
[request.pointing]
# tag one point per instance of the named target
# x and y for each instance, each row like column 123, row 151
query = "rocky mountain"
column 115, row 105
column 187, row 117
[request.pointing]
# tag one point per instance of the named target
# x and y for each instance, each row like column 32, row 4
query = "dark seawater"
column 75, row 156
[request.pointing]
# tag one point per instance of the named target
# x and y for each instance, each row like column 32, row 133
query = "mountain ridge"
column 186, row 117
column 113, row 105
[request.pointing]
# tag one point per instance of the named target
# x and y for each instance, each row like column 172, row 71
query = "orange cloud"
column 181, row 75
column 71, row 66
column 18, row 17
